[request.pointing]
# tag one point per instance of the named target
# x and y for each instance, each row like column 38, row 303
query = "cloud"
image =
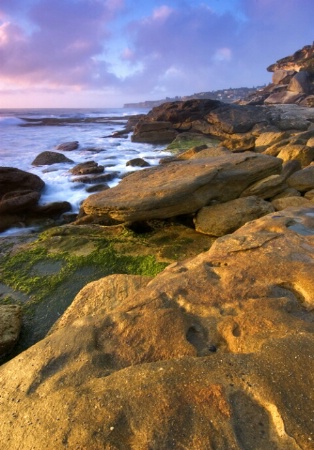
column 147, row 48
column 60, row 47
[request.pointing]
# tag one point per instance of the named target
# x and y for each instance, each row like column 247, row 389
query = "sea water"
column 21, row 142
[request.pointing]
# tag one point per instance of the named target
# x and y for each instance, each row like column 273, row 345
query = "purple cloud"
column 147, row 49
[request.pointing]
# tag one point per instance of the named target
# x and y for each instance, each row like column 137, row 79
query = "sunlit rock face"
column 214, row 352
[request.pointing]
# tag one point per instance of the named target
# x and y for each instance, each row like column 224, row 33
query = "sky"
column 105, row 53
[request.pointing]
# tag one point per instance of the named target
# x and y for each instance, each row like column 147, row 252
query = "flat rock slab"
column 181, row 187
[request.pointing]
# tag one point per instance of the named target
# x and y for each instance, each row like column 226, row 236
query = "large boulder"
column 12, row 179
column 181, row 187
column 214, row 353
column 48, row 158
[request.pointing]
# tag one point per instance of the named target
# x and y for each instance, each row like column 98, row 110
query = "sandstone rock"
column 198, row 152
column 300, row 153
column 86, row 168
column 214, row 353
column 269, row 138
column 289, row 167
column 287, row 202
column 180, row 188
column 239, row 144
column 68, row 146
column 300, row 60
column 288, row 192
column 12, row 179
column 137, row 162
column 101, row 297
column 310, row 142
column 300, row 83
column 48, row 158
column 154, row 132
column 218, row 220
column 267, row 187
column 309, row 194
column 283, row 97
column 302, row 180
column 282, row 76
column 10, row 327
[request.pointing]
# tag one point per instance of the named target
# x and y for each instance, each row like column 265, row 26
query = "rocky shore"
column 176, row 310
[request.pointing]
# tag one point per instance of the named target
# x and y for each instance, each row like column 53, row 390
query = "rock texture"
column 180, row 187
column 216, row 352
column 224, row 218
column 10, row 327
column 292, row 81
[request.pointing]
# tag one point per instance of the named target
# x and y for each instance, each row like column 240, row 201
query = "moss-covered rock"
column 43, row 275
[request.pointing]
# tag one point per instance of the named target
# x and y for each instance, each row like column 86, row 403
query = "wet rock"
column 138, row 162
column 95, row 179
column 12, row 179
column 68, row 146
column 48, row 158
column 17, row 201
column 87, row 167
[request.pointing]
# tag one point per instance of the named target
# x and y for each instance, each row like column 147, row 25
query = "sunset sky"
column 104, row 53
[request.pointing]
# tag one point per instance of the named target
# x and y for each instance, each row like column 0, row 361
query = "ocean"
column 22, row 139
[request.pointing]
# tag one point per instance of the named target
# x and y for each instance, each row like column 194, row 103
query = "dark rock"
column 48, row 158
column 87, row 167
column 95, row 179
column 16, row 201
column 12, row 179
column 53, row 210
column 138, row 162
column 68, row 146
column 97, row 188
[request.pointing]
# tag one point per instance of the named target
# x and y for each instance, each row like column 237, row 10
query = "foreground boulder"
column 180, row 187
column 214, row 353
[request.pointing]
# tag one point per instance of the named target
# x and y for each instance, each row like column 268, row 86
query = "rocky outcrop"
column 292, row 81
column 180, row 187
column 215, row 352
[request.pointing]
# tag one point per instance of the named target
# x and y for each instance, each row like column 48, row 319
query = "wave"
column 9, row 120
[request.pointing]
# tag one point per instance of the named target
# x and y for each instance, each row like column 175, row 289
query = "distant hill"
column 225, row 95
